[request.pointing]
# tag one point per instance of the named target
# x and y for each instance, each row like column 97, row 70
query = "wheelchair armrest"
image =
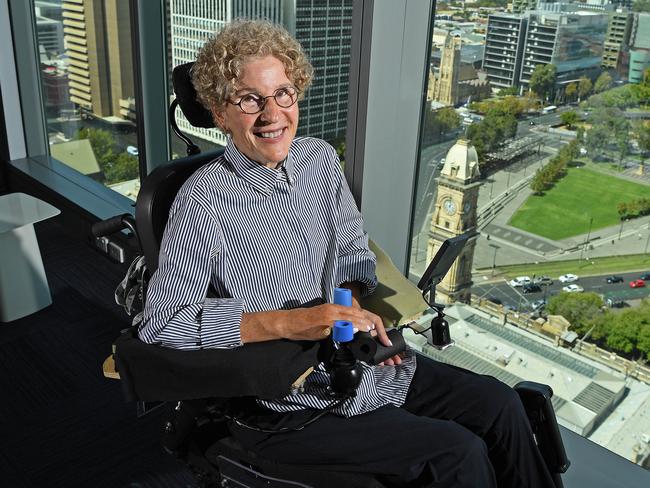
column 264, row 370
column 536, row 398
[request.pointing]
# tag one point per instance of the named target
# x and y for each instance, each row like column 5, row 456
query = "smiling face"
column 263, row 137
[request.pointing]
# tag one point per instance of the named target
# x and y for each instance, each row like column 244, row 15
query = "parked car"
column 614, row 279
column 519, row 281
column 573, row 288
column 543, row 281
column 531, row 288
column 495, row 300
column 132, row 150
column 645, row 276
column 441, row 163
column 637, row 284
column 532, row 122
column 568, row 278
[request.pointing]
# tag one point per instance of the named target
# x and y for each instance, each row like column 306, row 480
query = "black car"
column 531, row 288
column 615, row 303
column 614, row 279
column 495, row 300
column 645, row 276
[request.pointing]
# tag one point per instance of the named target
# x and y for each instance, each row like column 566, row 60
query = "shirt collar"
column 257, row 175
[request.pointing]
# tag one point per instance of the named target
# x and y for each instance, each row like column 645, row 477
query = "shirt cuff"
column 220, row 323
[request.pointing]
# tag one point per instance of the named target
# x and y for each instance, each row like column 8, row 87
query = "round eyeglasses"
column 253, row 103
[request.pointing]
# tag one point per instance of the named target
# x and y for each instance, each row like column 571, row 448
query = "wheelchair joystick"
column 345, row 370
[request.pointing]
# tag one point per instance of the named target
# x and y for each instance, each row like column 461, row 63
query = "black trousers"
column 456, row 429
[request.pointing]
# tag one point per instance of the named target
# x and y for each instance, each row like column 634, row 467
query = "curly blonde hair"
column 220, row 61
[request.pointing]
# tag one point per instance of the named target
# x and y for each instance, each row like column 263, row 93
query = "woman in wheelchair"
column 272, row 227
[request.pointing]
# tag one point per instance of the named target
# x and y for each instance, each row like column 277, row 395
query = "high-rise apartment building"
column 97, row 38
column 639, row 47
column 617, row 41
column 323, row 30
column 504, row 43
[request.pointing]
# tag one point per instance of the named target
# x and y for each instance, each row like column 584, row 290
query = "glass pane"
column 324, row 33
column 535, row 136
column 88, row 89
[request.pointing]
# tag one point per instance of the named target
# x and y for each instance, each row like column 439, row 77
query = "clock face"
column 449, row 206
column 467, row 206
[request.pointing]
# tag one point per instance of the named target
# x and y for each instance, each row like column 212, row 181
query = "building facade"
column 97, row 38
column 572, row 42
column 455, row 214
column 639, row 47
column 617, row 41
column 504, row 43
column 324, row 31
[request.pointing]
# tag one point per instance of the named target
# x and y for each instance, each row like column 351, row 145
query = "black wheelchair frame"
column 196, row 428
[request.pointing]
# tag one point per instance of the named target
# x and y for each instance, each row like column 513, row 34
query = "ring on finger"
column 327, row 331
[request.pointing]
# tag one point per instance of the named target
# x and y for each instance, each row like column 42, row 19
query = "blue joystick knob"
column 343, row 331
column 343, row 296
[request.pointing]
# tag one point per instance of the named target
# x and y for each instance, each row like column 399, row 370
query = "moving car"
column 568, row 278
column 537, row 304
column 132, row 150
column 543, row 281
column 645, row 276
column 519, row 281
column 637, row 284
column 573, row 288
column 614, row 279
column 531, row 288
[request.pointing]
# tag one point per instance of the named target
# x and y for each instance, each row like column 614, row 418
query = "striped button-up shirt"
column 266, row 239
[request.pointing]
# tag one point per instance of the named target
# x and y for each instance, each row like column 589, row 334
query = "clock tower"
column 455, row 214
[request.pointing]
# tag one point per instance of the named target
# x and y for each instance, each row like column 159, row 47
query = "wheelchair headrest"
column 156, row 197
column 194, row 111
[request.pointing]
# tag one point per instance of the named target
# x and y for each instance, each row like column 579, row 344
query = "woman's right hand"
column 313, row 323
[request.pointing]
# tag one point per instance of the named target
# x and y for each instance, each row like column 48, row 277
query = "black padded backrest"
column 156, row 197
column 194, row 111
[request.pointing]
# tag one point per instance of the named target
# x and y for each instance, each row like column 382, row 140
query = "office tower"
column 97, row 37
column 572, row 42
column 323, row 31
column 617, row 42
column 639, row 47
column 504, row 43
column 455, row 214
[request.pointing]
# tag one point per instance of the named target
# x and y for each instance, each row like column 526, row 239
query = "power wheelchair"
column 195, row 429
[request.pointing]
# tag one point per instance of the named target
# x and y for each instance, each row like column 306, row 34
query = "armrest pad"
column 264, row 369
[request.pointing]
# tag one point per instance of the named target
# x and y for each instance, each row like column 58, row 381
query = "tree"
column 604, row 82
column 583, row 310
column 507, row 91
column 596, row 140
column 448, row 119
column 623, row 331
column 569, row 118
column 571, row 91
column 584, row 87
column 102, row 143
column 123, row 168
column 642, row 133
column 542, row 80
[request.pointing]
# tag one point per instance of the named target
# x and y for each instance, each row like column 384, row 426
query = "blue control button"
column 343, row 331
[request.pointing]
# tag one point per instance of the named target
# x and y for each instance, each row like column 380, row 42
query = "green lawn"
column 594, row 266
column 566, row 209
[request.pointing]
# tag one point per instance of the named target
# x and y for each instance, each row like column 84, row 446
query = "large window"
column 534, row 140
column 88, row 90
column 324, row 34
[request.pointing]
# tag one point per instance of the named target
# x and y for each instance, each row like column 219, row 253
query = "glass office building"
column 85, row 94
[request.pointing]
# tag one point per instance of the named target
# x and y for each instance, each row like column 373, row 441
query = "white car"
column 573, row 288
column 132, row 150
column 568, row 278
column 520, row 281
